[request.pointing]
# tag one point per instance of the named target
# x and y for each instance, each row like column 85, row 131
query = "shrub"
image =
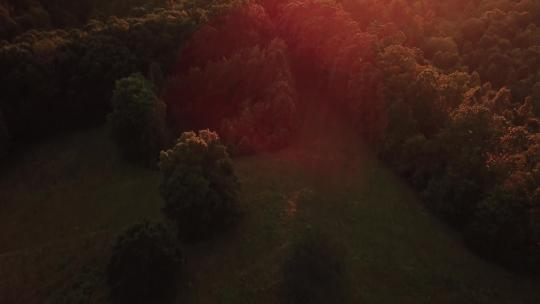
column 314, row 273
column 501, row 229
column 144, row 265
column 199, row 185
column 138, row 119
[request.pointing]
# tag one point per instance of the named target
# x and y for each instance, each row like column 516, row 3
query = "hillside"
column 65, row 202
column 269, row 151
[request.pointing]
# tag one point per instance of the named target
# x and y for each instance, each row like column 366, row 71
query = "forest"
column 269, row 151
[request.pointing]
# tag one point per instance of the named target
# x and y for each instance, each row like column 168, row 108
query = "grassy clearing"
column 65, row 200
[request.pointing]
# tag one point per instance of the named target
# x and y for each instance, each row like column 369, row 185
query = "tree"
column 505, row 222
column 314, row 273
column 472, row 132
column 239, row 27
column 104, row 58
column 199, row 185
column 251, row 94
column 144, row 266
column 138, row 119
column 26, row 85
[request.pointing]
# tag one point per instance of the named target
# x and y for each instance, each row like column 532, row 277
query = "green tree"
column 199, row 185
column 314, row 273
column 144, row 266
column 104, row 58
column 138, row 119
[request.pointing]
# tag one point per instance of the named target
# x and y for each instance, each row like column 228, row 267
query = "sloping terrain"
column 57, row 228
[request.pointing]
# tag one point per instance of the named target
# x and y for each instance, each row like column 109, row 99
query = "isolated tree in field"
column 199, row 185
column 138, row 119
column 314, row 273
column 144, row 266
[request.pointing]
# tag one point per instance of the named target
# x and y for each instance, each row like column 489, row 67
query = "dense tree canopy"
column 199, row 186
column 70, row 74
column 138, row 119
column 145, row 265
column 446, row 92
column 259, row 114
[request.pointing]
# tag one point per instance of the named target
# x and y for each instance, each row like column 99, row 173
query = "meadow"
column 78, row 195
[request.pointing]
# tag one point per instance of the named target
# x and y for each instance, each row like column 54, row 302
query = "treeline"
column 498, row 39
column 58, row 79
column 18, row 16
column 401, row 74
column 460, row 83
column 449, row 99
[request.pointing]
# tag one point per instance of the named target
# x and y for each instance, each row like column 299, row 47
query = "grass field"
column 63, row 202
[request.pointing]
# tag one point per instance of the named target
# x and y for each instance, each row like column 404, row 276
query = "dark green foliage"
column 256, row 109
column 505, row 222
column 138, row 119
column 21, row 15
column 104, row 59
column 27, row 89
column 71, row 74
column 145, row 265
column 472, row 132
column 501, row 229
column 199, row 185
column 450, row 90
column 314, row 273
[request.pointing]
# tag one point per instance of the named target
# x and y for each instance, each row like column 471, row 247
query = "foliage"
column 251, row 94
column 431, row 88
column 70, row 74
column 199, row 186
column 138, row 119
column 26, row 91
column 437, row 88
column 104, row 59
column 236, row 28
column 505, row 222
column 144, row 265
column 22, row 15
column 314, row 273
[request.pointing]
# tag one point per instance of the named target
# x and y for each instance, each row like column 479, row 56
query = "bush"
column 138, row 119
column 501, row 229
column 314, row 273
column 199, row 185
column 144, row 265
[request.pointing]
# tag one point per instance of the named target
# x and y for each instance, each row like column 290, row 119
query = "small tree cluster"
column 199, row 185
column 200, row 192
column 145, row 265
column 138, row 119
